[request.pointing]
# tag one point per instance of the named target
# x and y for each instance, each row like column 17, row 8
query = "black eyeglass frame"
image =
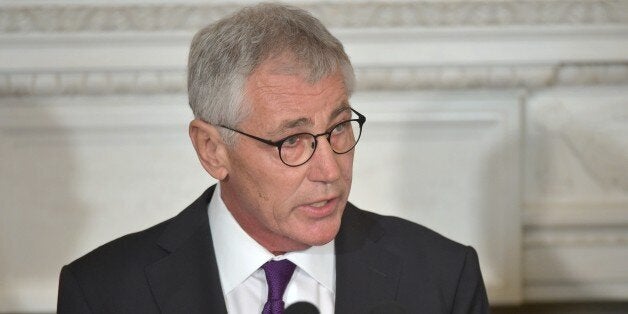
column 361, row 120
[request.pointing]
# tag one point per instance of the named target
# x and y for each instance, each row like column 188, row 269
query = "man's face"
column 289, row 208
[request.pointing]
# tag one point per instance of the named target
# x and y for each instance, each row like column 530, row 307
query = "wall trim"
column 592, row 214
column 151, row 16
column 169, row 80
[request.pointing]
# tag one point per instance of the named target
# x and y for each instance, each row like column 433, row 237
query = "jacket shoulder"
column 131, row 248
column 405, row 234
column 147, row 245
column 423, row 249
column 436, row 275
column 113, row 277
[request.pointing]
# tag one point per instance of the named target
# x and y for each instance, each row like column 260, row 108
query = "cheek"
column 347, row 167
column 285, row 192
column 278, row 190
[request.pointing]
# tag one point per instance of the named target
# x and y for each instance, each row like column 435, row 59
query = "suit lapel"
column 366, row 273
column 187, row 280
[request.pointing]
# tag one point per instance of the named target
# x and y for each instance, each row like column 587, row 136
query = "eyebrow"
column 291, row 124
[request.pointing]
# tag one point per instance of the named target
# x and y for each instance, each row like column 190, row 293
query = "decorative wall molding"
column 96, row 82
column 576, row 238
column 494, row 76
column 167, row 81
column 581, row 214
column 157, row 17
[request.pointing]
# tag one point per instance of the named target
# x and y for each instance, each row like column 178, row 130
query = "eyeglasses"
column 297, row 149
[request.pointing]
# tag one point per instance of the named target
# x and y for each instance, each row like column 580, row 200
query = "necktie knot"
column 278, row 274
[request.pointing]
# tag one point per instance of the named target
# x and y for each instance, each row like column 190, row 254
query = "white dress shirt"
column 240, row 257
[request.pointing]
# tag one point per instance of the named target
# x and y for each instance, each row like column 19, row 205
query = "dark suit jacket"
column 171, row 268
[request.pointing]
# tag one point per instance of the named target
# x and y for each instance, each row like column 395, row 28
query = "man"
column 270, row 88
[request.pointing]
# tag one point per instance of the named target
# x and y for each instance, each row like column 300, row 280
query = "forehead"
column 270, row 89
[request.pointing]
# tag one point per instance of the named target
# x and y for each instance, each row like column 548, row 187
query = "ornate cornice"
column 92, row 82
column 455, row 77
column 159, row 17
column 463, row 77
column 377, row 78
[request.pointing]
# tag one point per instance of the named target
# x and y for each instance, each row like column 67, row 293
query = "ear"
column 210, row 148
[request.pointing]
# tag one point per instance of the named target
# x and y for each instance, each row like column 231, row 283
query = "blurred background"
column 501, row 124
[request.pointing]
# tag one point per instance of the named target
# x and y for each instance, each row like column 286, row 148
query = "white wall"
column 501, row 124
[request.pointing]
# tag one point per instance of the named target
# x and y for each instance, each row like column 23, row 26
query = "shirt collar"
column 238, row 255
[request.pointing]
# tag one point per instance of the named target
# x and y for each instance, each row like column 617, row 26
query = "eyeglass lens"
column 299, row 148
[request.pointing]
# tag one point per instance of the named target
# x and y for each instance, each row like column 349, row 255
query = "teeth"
column 319, row 204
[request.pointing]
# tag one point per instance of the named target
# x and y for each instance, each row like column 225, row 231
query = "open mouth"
column 321, row 209
column 318, row 204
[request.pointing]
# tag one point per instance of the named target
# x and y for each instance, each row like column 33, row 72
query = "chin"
column 323, row 236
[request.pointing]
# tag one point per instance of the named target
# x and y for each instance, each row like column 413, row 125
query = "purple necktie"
column 278, row 274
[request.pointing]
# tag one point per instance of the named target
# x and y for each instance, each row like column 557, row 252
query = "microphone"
column 301, row 307
column 388, row 307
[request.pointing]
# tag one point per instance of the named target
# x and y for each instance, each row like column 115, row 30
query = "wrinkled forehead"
column 285, row 62
column 278, row 93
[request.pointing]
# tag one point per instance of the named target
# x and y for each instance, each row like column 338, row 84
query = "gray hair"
column 225, row 53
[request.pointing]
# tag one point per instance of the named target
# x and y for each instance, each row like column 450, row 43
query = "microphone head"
column 388, row 307
column 301, row 307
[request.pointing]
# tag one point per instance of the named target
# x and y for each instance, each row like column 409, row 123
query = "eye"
column 340, row 127
column 291, row 141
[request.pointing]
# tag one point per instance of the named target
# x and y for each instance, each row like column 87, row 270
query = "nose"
column 324, row 165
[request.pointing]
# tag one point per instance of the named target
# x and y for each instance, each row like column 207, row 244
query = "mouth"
column 320, row 209
column 318, row 204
